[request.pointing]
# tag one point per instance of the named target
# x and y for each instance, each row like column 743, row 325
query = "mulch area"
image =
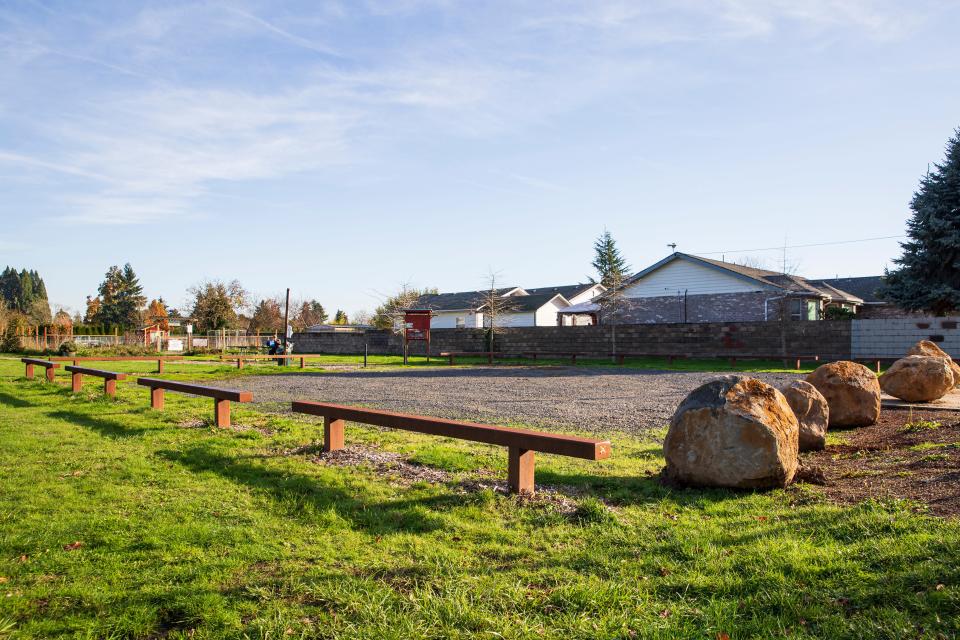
column 906, row 455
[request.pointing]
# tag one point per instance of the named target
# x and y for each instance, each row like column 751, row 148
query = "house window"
column 812, row 308
column 796, row 309
column 460, row 323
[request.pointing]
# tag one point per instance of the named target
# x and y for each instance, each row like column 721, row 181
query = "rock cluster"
column 742, row 433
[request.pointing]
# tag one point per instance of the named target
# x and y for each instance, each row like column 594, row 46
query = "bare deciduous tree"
column 494, row 306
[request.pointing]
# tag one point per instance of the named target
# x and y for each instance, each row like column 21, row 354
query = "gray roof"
column 865, row 287
column 521, row 304
column 455, row 301
column 567, row 291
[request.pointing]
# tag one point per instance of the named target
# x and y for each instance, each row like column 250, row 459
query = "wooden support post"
column 76, row 382
column 451, row 359
column 221, row 412
column 670, row 361
column 798, row 364
column 490, row 357
column 733, row 363
column 50, row 374
column 159, row 365
column 520, row 467
column 878, row 366
column 332, row 434
column 573, row 359
column 28, row 374
column 303, row 362
column 620, row 359
column 110, row 387
column 239, row 363
column 156, row 398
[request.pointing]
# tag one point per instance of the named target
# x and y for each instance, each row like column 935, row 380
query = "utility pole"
column 286, row 319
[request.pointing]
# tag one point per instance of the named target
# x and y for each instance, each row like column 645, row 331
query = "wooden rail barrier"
column 109, row 378
column 302, row 357
column 76, row 359
column 47, row 364
column 221, row 397
column 556, row 356
column 521, row 443
column 797, row 360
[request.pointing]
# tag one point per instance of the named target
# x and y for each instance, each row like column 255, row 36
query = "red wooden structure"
column 416, row 326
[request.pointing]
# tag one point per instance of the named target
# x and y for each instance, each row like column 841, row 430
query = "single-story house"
column 688, row 288
column 867, row 288
column 538, row 307
column 577, row 295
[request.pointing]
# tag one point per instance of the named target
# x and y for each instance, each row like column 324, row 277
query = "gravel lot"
column 589, row 399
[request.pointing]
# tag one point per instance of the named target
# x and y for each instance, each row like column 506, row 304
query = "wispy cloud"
column 196, row 109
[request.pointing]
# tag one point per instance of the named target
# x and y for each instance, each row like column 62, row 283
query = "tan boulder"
column 918, row 378
column 852, row 393
column 928, row 348
column 812, row 411
column 733, row 432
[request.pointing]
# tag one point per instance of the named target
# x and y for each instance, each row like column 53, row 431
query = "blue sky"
column 345, row 148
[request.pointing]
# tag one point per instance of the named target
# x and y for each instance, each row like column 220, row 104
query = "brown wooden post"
column 490, row 357
column 28, row 374
column 303, row 362
column 620, row 359
column 110, row 387
column 50, row 374
column 221, row 412
column 156, row 398
column 573, row 358
column 798, row 364
column 878, row 366
column 75, row 361
column 520, row 467
column 733, row 363
column 159, row 365
column 76, row 382
column 239, row 363
column 670, row 361
column 332, row 434
column 451, row 359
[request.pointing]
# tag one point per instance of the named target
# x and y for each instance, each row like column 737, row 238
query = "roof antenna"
column 673, row 245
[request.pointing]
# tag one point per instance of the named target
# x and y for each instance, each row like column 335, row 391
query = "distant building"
column 688, row 288
column 538, row 307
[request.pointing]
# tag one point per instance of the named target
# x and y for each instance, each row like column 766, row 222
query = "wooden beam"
column 520, row 470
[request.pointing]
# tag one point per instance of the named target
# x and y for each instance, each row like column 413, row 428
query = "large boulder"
column 733, row 432
column 812, row 411
column 852, row 392
column 927, row 348
column 918, row 378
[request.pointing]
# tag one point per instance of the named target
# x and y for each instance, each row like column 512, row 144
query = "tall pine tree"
column 121, row 298
column 928, row 278
column 608, row 261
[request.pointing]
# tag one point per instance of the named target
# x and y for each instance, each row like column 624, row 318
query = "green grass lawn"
column 120, row 522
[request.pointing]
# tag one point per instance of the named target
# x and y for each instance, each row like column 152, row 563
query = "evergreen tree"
column 25, row 293
column 121, row 298
column 340, row 317
column 310, row 313
column 608, row 261
column 928, row 278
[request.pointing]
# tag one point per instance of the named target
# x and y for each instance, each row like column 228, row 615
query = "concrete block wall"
column 891, row 337
column 827, row 339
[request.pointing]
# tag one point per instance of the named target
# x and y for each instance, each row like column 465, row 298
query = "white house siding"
column 683, row 275
column 586, row 296
column 525, row 319
column 448, row 319
column 546, row 316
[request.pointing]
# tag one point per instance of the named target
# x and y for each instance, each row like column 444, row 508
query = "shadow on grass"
column 302, row 494
column 110, row 428
column 14, row 401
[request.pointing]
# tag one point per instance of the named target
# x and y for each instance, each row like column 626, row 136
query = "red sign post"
column 416, row 326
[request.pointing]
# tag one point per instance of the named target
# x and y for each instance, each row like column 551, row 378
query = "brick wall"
column 827, row 339
column 724, row 307
column 890, row 338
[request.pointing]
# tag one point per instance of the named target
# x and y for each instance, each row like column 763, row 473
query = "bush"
column 838, row 313
column 68, row 347
column 10, row 342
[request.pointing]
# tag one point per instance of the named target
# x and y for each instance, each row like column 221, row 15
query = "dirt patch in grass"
column 906, row 455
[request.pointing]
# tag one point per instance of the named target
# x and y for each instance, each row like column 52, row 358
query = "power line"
column 797, row 246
